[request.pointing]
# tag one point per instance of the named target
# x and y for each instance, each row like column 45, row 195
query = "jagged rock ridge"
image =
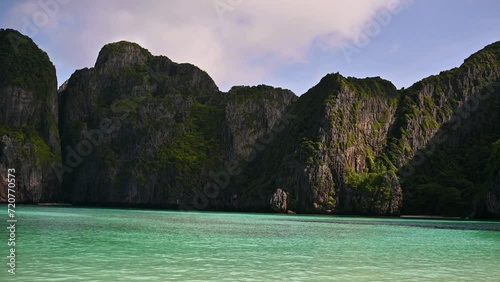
column 29, row 136
column 170, row 127
column 138, row 129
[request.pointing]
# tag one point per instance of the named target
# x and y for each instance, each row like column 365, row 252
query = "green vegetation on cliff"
column 29, row 135
column 348, row 145
column 454, row 118
column 25, row 65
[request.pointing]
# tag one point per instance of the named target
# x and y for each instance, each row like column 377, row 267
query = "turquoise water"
column 81, row 244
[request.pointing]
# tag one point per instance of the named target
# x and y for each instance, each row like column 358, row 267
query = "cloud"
column 235, row 41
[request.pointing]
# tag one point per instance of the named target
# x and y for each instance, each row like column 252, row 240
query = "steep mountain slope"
column 326, row 158
column 146, row 130
column 29, row 136
column 138, row 129
column 447, row 126
column 357, row 145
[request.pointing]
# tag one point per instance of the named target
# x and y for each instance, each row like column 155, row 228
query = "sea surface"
column 91, row 244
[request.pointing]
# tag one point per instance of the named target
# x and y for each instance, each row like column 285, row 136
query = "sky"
column 290, row 44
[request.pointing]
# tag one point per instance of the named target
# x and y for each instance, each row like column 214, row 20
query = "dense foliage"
column 25, row 65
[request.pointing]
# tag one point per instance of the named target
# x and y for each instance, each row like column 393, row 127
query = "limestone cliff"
column 29, row 136
column 337, row 131
column 443, row 137
column 138, row 129
column 493, row 183
column 359, row 146
column 155, row 129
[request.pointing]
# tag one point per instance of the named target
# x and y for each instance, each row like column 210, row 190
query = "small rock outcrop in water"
column 138, row 129
column 29, row 136
column 279, row 201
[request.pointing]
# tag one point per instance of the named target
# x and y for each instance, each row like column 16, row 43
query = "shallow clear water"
column 81, row 244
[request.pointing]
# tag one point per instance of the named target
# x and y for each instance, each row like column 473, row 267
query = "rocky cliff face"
column 157, row 130
column 138, row 129
column 450, row 97
column 326, row 154
column 359, row 145
column 250, row 113
column 446, row 129
column 29, row 136
column 493, row 183
column 493, row 197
